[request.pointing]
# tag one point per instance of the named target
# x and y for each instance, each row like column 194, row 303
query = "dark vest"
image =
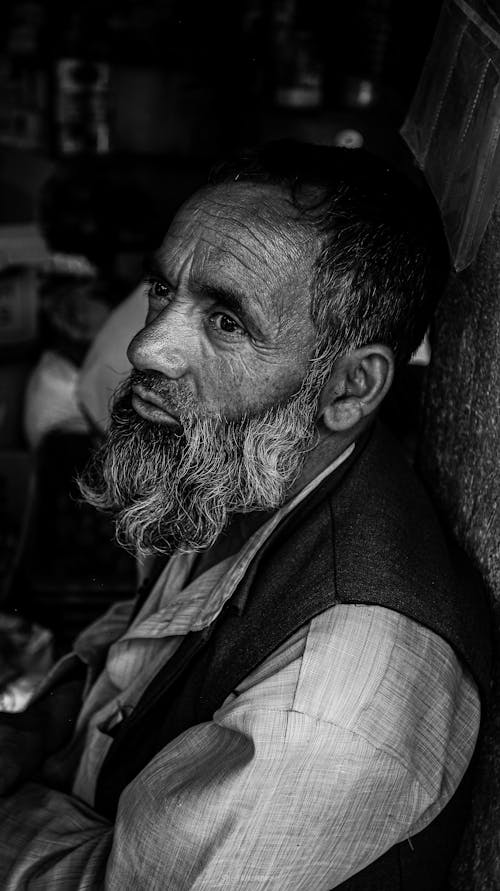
column 367, row 534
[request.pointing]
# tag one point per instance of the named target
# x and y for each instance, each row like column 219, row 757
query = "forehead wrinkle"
column 264, row 276
column 214, row 259
column 249, row 247
column 206, row 254
column 234, row 238
column 262, row 242
column 243, row 253
column 268, row 207
column 267, row 218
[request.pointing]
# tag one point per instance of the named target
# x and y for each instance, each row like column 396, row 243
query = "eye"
column 225, row 324
column 157, row 290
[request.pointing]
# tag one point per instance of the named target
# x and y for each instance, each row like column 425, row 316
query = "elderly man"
column 293, row 700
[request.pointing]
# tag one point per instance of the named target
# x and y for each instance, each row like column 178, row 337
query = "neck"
column 329, row 447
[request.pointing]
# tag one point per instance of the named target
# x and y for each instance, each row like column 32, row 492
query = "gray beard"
column 176, row 490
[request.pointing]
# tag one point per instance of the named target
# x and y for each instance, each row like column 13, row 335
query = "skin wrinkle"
column 283, row 322
column 289, row 268
column 249, row 265
column 263, row 212
column 277, row 298
column 235, row 221
column 262, row 243
column 224, row 254
column 269, row 223
column 221, row 255
column 255, row 253
column 199, row 277
column 247, row 410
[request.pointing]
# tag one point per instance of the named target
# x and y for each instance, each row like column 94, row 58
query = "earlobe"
column 342, row 414
column 358, row 384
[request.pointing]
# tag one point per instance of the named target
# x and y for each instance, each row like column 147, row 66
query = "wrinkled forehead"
column 250, row 228
column 252, row 207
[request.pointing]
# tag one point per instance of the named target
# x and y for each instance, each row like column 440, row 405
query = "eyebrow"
column 229, row 297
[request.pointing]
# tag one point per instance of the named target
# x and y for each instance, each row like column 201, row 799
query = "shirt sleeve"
column 51, row 842
column 259, row 798
column 240, row 814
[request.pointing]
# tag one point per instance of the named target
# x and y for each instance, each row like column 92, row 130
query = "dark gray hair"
column 383, row 260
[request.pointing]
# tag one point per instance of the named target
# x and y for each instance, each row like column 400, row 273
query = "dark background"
column 140, row 96
column 111, row 113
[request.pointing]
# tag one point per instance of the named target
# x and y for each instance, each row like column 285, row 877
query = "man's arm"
column 272, row 797
column 51, row 842
column 221, row 808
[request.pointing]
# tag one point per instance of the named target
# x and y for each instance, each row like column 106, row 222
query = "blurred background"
column 111, row 113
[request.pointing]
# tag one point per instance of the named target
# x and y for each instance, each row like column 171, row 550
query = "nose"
column 162, row 345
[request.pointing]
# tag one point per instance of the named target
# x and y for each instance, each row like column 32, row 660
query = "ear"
column 356, row 387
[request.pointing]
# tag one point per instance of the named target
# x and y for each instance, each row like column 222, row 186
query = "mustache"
column 175, row 393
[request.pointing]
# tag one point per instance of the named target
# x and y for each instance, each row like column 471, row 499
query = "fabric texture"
column 237, row 802
column 325, row 756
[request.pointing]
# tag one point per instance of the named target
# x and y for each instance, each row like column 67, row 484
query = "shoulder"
column 392, row 550
column 393, row 682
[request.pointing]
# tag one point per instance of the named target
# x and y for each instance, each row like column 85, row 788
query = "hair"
column 382, row 262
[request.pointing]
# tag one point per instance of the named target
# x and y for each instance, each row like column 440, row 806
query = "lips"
column 149, row 406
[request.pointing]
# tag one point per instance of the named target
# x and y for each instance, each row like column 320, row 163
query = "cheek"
column 277, row 387
column 244, row 381
column 225, row 384
column 230, row 385
column 254, row 390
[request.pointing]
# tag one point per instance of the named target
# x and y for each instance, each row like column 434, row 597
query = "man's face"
column 220, row 410
column 228, row 326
